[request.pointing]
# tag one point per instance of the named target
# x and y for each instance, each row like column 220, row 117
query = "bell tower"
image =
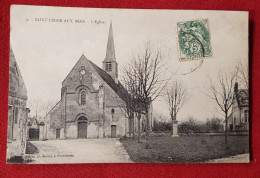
column 109, row 63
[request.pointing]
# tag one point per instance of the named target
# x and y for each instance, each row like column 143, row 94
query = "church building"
column 90, row 101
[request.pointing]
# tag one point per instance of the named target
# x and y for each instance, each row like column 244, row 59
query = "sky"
column 48, row 41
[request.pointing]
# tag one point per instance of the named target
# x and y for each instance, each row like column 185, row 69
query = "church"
column 90, row 101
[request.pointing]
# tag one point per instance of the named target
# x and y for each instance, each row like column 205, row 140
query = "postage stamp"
column 194, row 40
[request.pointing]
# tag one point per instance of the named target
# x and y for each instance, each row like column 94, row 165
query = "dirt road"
column 80, row 151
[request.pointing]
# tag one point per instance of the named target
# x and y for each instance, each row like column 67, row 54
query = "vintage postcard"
column 93, row 85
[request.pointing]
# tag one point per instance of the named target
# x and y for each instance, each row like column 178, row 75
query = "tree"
column 132, row 98
column 242, row 74
column 214, row 124
column 147, row 67
column 175, row 97
column 34, row 106
column 126, row 104
column 40, row 108
column 222, row 92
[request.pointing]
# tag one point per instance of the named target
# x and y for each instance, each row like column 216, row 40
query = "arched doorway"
column 82, row 127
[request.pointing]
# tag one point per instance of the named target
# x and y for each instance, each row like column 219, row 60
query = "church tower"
column 110, row 64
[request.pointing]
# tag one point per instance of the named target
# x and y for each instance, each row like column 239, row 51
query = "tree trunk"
column 130, row 127
column 139, row 126
column 133, row 127
column 226, row 130
column 147, row 128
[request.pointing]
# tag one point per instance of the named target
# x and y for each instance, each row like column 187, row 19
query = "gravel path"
column 80, row 151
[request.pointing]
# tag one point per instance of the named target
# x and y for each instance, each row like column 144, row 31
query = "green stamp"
column 194, row 39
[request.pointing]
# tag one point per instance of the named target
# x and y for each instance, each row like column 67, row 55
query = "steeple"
column 109, row 63
column 110, row 53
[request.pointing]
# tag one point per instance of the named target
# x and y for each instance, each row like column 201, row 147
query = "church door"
column 82, row 129
column 113, row 131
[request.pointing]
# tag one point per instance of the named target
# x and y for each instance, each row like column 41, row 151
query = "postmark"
column 194, row 40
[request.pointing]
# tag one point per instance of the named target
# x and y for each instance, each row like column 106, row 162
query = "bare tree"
column 175, row 97
column 222, row 92
column 125, row 103
column 243, row 74
column 34, row 106
column 46, row 107
column 148, row 69
column 40, row 108
column 132, row 98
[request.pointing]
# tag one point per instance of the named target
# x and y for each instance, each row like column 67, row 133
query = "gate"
column 33, row 134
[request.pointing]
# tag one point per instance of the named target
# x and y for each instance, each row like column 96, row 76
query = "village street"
column 79, row 151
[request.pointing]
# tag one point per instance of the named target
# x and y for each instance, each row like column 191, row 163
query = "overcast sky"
column 46, row 51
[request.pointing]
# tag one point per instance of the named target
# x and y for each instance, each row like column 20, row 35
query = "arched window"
column 112, row 112
column 83, row 97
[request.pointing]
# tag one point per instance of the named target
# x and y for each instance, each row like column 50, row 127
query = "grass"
column 185, row 149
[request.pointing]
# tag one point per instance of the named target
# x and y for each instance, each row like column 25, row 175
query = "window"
column 16, row 69
column 16, row 115
column 108, row 66
column 112, row 113
column 10, row 123
column 83, row 97
column 82, row 72
column 116, row 70
column 246, row 115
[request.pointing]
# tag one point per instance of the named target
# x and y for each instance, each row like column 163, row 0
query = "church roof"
column 110, row 54
column 118, row 88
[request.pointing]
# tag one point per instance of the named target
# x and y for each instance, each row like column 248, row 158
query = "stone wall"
column 52, row 121
column 17, row 111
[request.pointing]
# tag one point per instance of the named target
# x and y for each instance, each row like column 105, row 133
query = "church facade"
column 90, row 101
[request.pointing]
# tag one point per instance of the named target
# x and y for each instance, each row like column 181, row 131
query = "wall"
column 53, row 121
column 17, row 112
column 100, row 99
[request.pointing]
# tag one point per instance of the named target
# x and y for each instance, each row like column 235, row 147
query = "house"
column 90, row 105
column 17, row 111
column 238, row 120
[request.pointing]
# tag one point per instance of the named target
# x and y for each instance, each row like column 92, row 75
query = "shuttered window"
column 108, row 66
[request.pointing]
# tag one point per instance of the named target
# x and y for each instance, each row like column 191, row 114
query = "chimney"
column 236, row 87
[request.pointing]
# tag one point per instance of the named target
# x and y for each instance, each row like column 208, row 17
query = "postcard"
column 96, row 85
